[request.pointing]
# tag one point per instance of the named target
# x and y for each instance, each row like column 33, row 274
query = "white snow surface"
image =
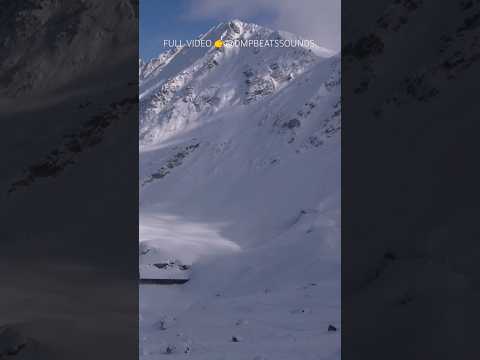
column 240, row 178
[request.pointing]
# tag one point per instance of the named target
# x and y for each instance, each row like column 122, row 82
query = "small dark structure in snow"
column 235, row 339
column 164, row 273
column 332, row 328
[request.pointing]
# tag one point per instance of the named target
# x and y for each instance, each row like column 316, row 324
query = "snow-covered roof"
column 168, row 272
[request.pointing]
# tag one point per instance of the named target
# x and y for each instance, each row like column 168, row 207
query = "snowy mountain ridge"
column 187, row 83
column 234, row 29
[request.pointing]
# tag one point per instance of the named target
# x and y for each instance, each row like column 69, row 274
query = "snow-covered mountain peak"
column 232, row 27
column 237, row 29
column 189, row 84
column 231, row 30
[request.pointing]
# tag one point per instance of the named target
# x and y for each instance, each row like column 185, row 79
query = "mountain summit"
column 185, row 83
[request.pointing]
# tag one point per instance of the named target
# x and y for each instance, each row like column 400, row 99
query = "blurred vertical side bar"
column 69, row 179
column 410, row 199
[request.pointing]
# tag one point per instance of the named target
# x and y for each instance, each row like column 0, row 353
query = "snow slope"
column 240, row 177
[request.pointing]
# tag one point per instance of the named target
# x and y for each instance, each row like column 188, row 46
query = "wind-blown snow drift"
column 240, row 175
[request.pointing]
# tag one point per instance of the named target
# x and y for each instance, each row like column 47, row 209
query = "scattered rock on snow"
column 170, row 349
column 236, row 339
column 291, row 124
column 331, row 328
column 301, row 311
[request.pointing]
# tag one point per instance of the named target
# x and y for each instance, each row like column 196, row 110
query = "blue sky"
column 186, row 19
column 175, row 20
column 164, row 19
